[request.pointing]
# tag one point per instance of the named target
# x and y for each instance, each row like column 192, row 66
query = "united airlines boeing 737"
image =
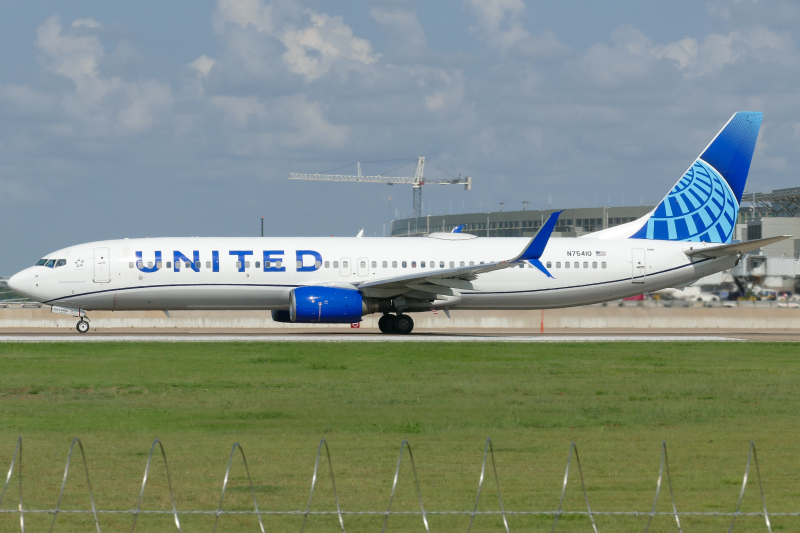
column 339, row 280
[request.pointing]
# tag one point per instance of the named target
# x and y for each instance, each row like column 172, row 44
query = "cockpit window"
column 61, row 263
column 51, row 263
column 41, row 262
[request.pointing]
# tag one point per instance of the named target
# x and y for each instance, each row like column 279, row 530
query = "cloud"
column 407, row 34
column 203, row 64
column 312, row 50
column 106, row 104
column 499, row 22
column 86, row 23
column 244, row 13
column 18, row 192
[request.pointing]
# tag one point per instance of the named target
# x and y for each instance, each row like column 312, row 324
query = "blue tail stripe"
column 731, row 152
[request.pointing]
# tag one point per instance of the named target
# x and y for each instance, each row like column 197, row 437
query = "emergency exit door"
column 102, row 265
column 638, row 266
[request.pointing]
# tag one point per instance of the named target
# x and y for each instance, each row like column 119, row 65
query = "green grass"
column 617, row 401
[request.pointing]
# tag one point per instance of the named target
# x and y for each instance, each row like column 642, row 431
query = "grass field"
column 617, row 401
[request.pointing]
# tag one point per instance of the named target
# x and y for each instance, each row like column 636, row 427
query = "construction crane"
column 417, row 181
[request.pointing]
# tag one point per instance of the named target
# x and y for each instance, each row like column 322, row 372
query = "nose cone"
column 21, row 283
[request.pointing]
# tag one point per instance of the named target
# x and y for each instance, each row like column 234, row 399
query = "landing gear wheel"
column 82, row 326
column 403, row 325
column 386, row 323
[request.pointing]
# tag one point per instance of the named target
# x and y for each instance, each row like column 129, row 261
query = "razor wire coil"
column 423, row 513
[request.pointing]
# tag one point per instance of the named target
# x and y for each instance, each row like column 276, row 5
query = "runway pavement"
column 371, row 335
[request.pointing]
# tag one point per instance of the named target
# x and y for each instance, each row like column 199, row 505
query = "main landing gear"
column 401, row 324
column 83, row 326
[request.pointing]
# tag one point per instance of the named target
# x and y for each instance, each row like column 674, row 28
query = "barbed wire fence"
column 323, row 459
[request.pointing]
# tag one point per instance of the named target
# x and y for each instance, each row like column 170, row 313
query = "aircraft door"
column 344, row 266
column 102, row 265
column 363, row 266
column 638, row 265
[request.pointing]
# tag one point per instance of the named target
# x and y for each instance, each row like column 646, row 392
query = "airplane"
column 339, row 280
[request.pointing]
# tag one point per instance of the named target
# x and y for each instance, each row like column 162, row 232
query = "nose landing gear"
column 400, row 324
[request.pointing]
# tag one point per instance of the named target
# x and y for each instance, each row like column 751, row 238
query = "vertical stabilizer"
column 704, row 204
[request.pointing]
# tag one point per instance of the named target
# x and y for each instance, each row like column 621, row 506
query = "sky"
column 185, row 118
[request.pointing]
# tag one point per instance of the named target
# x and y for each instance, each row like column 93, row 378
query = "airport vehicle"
column 339, row 280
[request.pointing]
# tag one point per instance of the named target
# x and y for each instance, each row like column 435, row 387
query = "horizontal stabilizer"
column 734, row 249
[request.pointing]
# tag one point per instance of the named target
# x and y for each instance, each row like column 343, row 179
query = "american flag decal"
column 600, row 254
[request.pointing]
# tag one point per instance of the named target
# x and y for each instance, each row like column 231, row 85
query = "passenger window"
column 208, row 264
column 188, row 264
column 198, row 264
column 130, row 265
column 246, row 264
column 43, row 261
column 461, row 263
column 336, row 264
column 422, row 264
column 238, row 264
column 577, row 265
column 394, row 264
column 594, row 264
column 585, row 264
column 177, row 265
column 472, row 263
column 267, row 264
column 452, row 264
column 549, row 264
column 603, row 264
column 345, row 264
column 327, row 264
column 405, row 264
column 258, row 264
column 413, row 264
column 441, row 264
column 317, row 264
column 566, row 264
column 149, row 264
column 158, row 264
column 363, row 264
column 481, row 262
column 558, row 264
column 140, row 264
column 61, row 262
column 169, row 264
column 384, row 264
column 374, row 264
column 433, row 264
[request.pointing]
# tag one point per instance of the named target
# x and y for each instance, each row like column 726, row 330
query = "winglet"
column 458, row 228
column 536, row 247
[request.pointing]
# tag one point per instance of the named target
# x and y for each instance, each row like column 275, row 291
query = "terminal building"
column 571, row 223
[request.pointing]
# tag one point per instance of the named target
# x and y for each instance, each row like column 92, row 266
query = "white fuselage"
column 107, row 275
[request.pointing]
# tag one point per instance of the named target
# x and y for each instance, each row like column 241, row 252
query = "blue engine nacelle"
column 325, row 305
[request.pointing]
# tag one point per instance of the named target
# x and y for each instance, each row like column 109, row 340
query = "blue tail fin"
column 704, row 204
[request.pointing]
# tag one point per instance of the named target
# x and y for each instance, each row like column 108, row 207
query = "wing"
column 430, row 283
column 733, row 249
